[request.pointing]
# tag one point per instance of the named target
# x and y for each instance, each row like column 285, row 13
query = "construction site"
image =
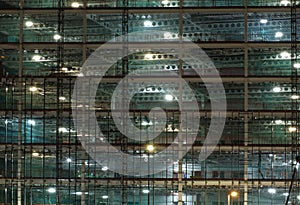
column 199, row 104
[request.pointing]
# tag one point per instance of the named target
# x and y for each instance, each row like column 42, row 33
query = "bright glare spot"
column 278, row 34
column 105, row 197
column 36, row 57
column 147, row 23
column 285, row 2
column 279, row 122
column 148, row 56
column 292, row 129
column 295, row 97
column 150, row 147
column 6, row 122
column 28, row 23
column 75, row 5
column 285, row 54
column 297, row 65
column 263, row 21
column 298, row 197
column 69, row 160
column 285, row 194
column 167, row 35
column 62, row 129
column 57, row 37
column 276, row 89
column 104, row 168
column 272, row 190
column 168, row 97
column 33, row 89
column 31, row 122
column 62, row 98
column 51, row 190
column 234, row 193
column 35, row 154
column 146, row 191
column 78, row 193
column 145, row 123
column 165, row 2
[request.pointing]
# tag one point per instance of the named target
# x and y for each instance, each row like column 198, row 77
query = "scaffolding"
column 43, row 160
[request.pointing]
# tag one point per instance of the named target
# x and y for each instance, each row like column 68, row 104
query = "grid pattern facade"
column 253, row 45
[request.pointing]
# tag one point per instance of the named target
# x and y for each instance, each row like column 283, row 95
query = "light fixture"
column 285, row 2
column 64, row 69
column 57, row 37
column 278, row 34
column 33, row 89
column 295, row 97
column 69, row 160
column 272, row 191
column 148, row 56
column 297, row 65
column 150, row 148
column 28, row 23
column 146, row 123
column 168, row 97
column 146, row 191
column 35, row 154
column 167, row 35
column 31, row 122
column 148, row 23
column 234, row 193
column 279, row 122
column 276, row 89
column 36, row 57
column 62, row 129
column 292, row 129
column 285, row 54
column 104, row 168
column 62, row 98
column 104, row 197
column 51, row 190
column 263, row 21
column 75, row 5
column 79, row 193
column 165, row 2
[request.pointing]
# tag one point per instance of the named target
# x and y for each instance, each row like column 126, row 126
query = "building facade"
column 47, row 143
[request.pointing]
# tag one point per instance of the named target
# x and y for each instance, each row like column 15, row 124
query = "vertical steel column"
column 124, row 148
column 60, row 64
column 20, row 112
column 294, row 73
column 294, row 103
column 84, row 57
column 180, row 140
column 246, row 105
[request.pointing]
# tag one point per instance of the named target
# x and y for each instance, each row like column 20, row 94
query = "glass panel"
column 269, row 26
column 42, row 28
column 269, row 62
column 10, row 28
column 272, row 96
column 212, row 3
column 212, row 27
column 9, row 4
